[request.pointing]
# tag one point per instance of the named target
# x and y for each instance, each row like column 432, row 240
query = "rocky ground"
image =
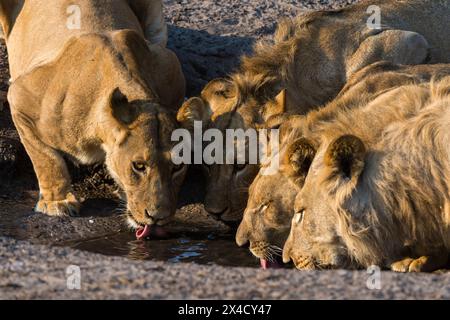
column 35, row 272
column 208, row 37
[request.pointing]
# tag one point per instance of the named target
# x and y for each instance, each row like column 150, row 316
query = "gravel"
column 37, row 272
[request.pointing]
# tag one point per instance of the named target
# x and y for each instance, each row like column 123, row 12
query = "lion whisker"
column 276, row 248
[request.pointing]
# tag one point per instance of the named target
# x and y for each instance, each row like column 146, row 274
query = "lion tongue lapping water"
column 150, row 230
column 266, row 264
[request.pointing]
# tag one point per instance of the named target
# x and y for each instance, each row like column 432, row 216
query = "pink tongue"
column 152, row 230
column 269, row 264
column 143, row 233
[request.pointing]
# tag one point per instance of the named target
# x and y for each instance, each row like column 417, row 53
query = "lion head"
column 267, row 218
column 224, row 104
column 350, row 201
column 364, row 201
column 139, row 159
column 265, row 224
column 314, row 240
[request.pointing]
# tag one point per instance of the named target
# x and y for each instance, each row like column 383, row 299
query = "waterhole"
column 19, row 221
column 201, row 249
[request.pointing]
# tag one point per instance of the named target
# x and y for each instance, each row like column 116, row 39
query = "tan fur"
column 311, row 58
column 102, row 93
column 369, row 91
column 315, row 54
column 385, row 206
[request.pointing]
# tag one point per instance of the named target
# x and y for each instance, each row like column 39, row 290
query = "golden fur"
column 307, row 64
column 379, row 194
column 267, row 218
column 107, row 92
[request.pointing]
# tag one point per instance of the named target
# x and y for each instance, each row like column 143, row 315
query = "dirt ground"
column 208, row 36
column 36, row 272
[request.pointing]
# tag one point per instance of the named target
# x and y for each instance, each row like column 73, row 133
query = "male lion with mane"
column 309, row 62
column 103, row 89
column 384, row 202
column 270, row 208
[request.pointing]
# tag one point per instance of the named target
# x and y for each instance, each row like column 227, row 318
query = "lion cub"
column 382, row 201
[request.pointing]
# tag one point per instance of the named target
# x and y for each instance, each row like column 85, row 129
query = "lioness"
column 385, row 203
column 311, row 59
column 267, row 218
column 104, row 88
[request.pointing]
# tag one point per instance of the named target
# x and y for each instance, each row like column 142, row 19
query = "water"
column 19, row 222
column 201, row 249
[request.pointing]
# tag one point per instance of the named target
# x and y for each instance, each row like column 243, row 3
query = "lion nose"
column 215, row 210
column 149, row 215
column 155, row 215
column 287, row 252
column 286, row 256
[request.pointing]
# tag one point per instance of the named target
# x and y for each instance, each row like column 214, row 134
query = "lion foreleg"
column 151, row 16
column 56, row 197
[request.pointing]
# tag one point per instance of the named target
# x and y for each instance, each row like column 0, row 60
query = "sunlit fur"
column 397, row 204
column 263, row 228
column 311, row 58
column 105, row 92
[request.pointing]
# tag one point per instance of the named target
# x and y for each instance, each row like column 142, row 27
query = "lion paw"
column 67, row 207
column 422, row 264
column 402, row 265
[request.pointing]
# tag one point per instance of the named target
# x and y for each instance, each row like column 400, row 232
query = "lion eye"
column 299, row 216
column 139, row 166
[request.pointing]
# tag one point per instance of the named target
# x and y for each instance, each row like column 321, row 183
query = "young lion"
column 384, row 202
column 310, row 61
column 267, row 218
column 103, row 89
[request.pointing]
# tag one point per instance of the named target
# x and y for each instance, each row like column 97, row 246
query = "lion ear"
column 194, row 109
column 345, row 156
column 212, row 99
column 121, row 110
column 218, row 94
column 275, row 107
column 280, row 100
column 298, row 158
column 219, row 87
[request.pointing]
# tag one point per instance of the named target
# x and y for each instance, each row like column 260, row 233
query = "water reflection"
column 201, row 249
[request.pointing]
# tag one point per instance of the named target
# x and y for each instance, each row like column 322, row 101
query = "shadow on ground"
column 205, row 56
